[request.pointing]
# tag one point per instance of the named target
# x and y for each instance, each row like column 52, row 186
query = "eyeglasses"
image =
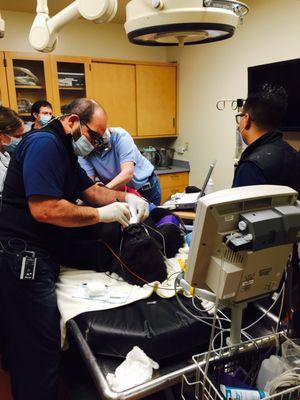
column 95, row 136
column 238, row 117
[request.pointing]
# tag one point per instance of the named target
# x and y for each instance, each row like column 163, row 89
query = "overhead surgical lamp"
column 148, row 22
column 182, row 22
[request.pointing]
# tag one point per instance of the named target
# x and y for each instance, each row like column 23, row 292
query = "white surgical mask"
column 82, row 147
column 45, row 119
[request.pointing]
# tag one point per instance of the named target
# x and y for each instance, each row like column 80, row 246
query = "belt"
column 148, row 185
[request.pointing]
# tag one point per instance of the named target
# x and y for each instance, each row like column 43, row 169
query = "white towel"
column 135, row 370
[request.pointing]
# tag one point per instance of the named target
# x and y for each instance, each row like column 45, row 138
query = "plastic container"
column 269, row 370
column 210, row 187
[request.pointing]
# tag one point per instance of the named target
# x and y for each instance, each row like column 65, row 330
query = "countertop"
column 176, row 167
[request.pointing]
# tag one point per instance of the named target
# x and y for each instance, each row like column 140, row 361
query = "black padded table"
column 159, row 327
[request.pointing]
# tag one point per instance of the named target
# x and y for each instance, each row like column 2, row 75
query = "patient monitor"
column 241, row 241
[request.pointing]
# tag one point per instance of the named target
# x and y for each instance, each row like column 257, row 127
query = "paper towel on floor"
column 135, row 370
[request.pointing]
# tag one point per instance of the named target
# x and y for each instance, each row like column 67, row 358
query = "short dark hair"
column 84, row 108
column 36, row 107
column 267, row 105
column 9, row 120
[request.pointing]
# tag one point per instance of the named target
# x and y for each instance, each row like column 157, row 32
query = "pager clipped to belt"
column 28, row 266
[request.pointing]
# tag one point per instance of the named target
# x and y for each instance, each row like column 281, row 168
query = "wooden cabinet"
column 71, row 79
column 28, row 80
column 114, row 88
column 156, row 100
column 3, row 83
column 173, row 183
column 139, row 96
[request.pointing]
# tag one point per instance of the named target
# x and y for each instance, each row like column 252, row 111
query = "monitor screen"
column 246, row 233
column 286, row 74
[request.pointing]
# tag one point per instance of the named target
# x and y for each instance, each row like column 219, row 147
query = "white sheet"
column 73, row 298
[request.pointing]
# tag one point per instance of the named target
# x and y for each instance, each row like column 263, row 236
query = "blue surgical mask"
column 45, row 119
column 11, row 147
column 82, row 147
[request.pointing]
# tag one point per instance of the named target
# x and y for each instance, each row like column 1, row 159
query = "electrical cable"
column 207, row 358
column 186, row 310
column 287, row 379
column 159, row 233
column 10, row 245
column 266, row 312
column 282, row 296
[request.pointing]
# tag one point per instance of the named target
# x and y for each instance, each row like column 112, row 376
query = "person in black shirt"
column 41, row 228
column 268, row 159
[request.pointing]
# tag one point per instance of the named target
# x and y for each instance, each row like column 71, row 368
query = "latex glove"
column 138, row 207
column 115, row 212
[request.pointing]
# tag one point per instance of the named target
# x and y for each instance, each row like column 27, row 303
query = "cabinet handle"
column 174, row 120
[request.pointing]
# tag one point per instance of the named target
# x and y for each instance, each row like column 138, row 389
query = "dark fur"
column 174, row 238
column 144, row 255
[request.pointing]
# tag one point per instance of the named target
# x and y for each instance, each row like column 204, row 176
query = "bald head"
column 86, row 109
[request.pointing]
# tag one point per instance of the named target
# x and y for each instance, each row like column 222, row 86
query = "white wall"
column 79, row 38
column 210, row 72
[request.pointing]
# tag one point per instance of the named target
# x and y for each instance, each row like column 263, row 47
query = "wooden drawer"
column 167, row 192
column 173, row 183
column 172, row 180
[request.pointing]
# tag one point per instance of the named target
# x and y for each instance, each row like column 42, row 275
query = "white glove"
column 138, row 207
column 115, row 212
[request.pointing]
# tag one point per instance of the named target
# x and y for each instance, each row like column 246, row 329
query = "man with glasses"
column 40, row 228
column 113, row 158
column 268, row 159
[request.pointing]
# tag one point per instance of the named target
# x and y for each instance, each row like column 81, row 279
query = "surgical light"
column 148, row 22
column 177, row 22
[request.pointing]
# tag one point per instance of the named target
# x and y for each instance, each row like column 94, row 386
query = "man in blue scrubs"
column 40, row 224
column 117, row 162
column 268, row 159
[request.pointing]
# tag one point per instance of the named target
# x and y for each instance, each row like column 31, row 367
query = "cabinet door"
column 3, row 83
column 173, row 183
column 71, row 79
column 28, row 79
column 156, row 100
column 114, row 88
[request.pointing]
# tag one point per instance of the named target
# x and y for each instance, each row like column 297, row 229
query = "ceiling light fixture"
column 177, row 22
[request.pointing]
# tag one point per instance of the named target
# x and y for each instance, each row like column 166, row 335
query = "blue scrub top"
column 43, row 157
column 106, row 165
